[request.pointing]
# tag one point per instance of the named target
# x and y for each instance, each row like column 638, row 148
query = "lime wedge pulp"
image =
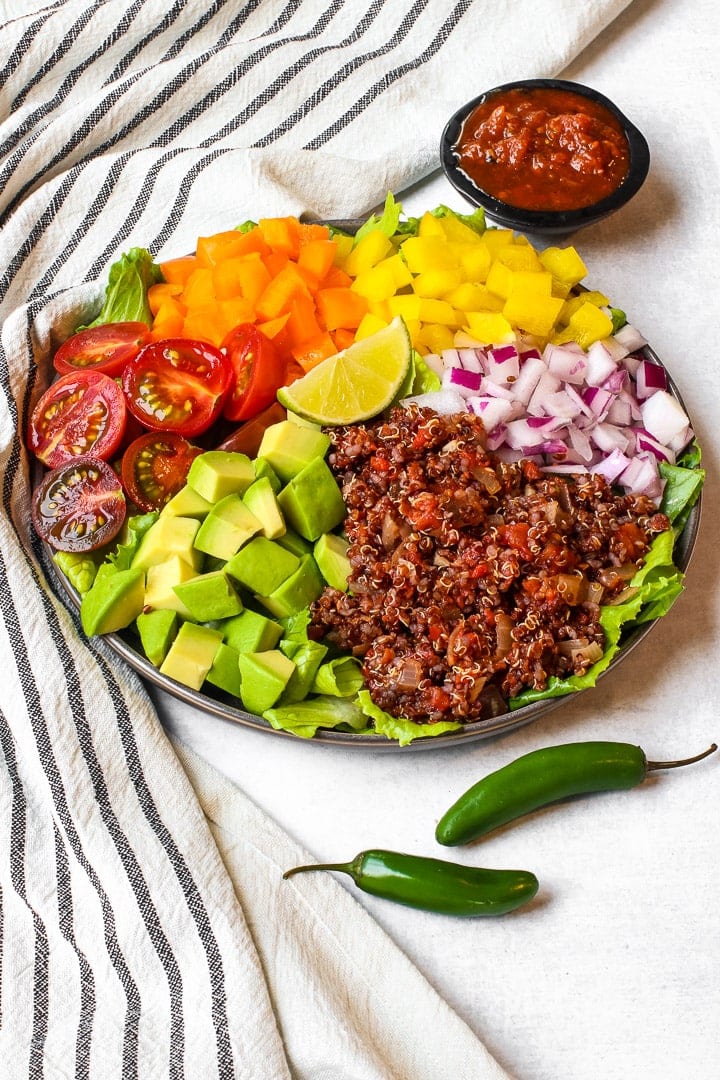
column 355, row 384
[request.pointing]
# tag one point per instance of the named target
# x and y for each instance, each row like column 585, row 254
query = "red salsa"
column 543, row 148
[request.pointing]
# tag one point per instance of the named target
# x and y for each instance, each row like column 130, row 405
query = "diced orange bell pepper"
column 211, row 250
column 335, row 278
column 303, row 324
column 169, row 319
column 277, row 298
column 245, row 276
column 343, row 338
column 281, row 234
column 205, row 322
column 340, row 307
column 311, row 353
column 315, row 260
column 160, row 292
column 177, row 271
column 235, row 311
column 198, row 289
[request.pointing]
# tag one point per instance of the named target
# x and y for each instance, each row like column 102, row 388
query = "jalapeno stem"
column 653, row 765
column 345, row 868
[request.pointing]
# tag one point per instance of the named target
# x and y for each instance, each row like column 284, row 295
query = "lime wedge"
column 355, row 384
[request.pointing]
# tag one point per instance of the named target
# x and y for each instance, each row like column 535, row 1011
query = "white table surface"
column 613, row 971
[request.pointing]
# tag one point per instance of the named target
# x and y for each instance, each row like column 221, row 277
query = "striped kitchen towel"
column 141, row 918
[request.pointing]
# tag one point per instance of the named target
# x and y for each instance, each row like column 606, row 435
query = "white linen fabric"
column 145, row 930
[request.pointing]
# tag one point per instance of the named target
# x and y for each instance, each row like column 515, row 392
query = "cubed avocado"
column 263, row 677
column 297, row 592
column 260, row 500
column 191, row 654
column 209, row 596
column 160, row 585
column 187, row 503
column 251, row 632
column 113, row 601
column 227, row 527
column 300, row 421
column 312, row 503
column 289, row 448
column 169, row 536
column 295, row 542
column 330, row 553
column 262, row 565
column 157, row 630
column 218, row 473
column 225, row 671
column 307, row 658
column 263, row 468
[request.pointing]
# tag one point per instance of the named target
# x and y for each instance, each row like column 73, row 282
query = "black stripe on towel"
column 83, row 1038
column 18, row 829
column 381, row 85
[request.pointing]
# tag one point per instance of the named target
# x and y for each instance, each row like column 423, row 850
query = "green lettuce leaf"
column 129, row 279
column 304, row 718
column 340, row 677
column 683, row 485
column 398, row 729
column 133, row 532
column 79, row 567
column 387, row 222
column 474, row 220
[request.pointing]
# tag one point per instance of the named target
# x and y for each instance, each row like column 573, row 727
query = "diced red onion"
column 465, row 382
column 600, row 364
column 607, row 411
column 663, row 416
column 630, row 338
column 649, row 378
column 530, row 372
column 568, row 362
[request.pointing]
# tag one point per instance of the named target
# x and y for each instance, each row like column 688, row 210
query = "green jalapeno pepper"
column 543, row 777
column 433, row 884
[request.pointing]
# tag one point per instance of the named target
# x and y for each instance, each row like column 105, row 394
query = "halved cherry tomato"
column 79, row 506
column 104, row 348
column 259, row 369
column 177, row 384
column 81, row 413
column 155, row 467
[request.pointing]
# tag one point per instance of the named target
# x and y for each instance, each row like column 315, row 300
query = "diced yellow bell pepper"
column 575, row 302
column 369, row 324
column 475, row 260
column 564, row 264
column 472, row 297
column 528, row 281
column 437, row 282
column 532, row 312
column 407, row 306
column 423, row 253
column 458, row 232
column 435, row 338
column 588, row 324
column 377, row 282
column 400, row 272
column 343, row 247
column 368, row 251
column 495, row 239
column 499, row 279
column 489, row 327
column 429, row 225
column 520, row 257
column 438, row 311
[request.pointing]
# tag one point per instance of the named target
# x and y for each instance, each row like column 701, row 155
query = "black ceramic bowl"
column 545, row 222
